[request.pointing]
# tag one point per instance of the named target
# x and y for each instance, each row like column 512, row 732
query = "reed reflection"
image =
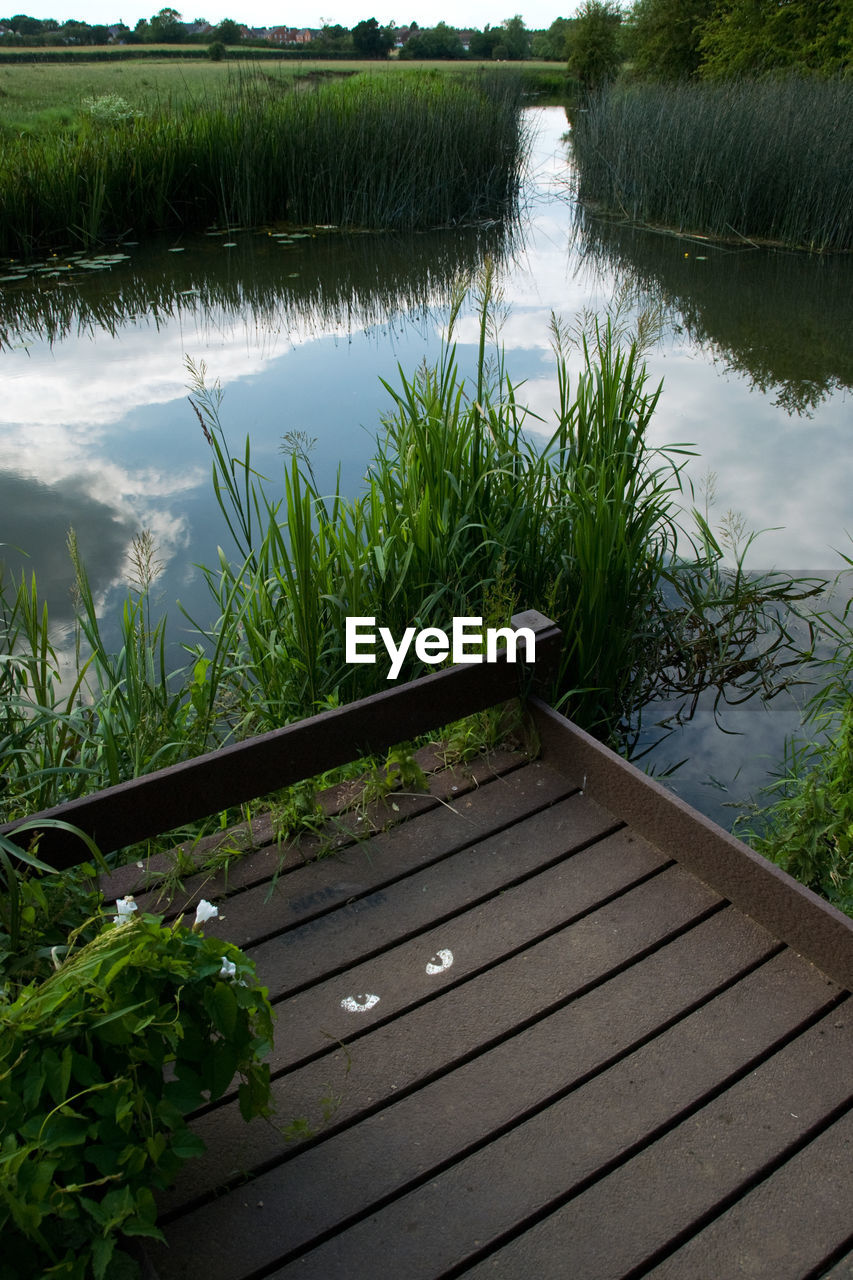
column 778, row 317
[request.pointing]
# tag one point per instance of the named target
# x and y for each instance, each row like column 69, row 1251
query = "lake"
column 755, row 354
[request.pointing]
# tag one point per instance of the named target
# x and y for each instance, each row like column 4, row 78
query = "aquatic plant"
column 743, row 159
column 372, row 151
column 803, row 820
column 465, row 512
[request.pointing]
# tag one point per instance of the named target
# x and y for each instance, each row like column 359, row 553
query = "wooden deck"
column 550, row 1023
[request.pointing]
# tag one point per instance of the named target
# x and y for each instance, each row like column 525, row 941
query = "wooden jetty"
column 546, row 1023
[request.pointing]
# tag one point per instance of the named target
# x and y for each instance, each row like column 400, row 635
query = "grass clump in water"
column 745, row 159
column 805, row 823
column 403, row 151
column 465, row 512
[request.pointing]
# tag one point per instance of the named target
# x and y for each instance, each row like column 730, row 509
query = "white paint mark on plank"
column 441, row 961
column 359, row 1004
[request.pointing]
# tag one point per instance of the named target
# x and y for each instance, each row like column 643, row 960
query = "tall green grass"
column 803, row 820
column 465, row 512
column 769, row 159
column 393, row 152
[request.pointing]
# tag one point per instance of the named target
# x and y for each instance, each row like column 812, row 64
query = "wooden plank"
column 310, row 893
column 539, row 986
column 366, row 925
column 842, row 1270
column 788, row 1225
column 808, row 923
column 263, row 849
column 556, row 1140
column 711, row 1157
column 530, row 920
column 478, row 936
column 170, row 798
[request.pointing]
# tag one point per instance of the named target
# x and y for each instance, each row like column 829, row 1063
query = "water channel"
column 756, row 358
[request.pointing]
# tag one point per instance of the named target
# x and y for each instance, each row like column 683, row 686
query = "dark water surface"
column 96, row 432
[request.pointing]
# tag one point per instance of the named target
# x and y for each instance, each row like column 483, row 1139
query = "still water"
column 96, row 432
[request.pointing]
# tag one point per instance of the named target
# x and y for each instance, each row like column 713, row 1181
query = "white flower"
column 229, row 968
column 204, row 911
column 125, row 908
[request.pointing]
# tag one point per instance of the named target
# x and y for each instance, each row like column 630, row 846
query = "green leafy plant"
column 91, row 1126
column 803, row 820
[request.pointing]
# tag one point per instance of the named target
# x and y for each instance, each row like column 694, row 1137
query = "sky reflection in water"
column 97, row 433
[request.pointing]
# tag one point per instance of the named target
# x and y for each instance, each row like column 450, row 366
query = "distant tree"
column 594, row 45
column 437, row 42
column 371, row 40
column 73, row 31
column 227, row 32
column 515, row 37
column 511, row 40
column 665, row 36
column 482, row 43
column 166, row 27
column 334, row 38
column 552, row 44
column 216, row 51
column 23, row 25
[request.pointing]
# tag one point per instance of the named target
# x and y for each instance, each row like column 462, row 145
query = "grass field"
column 35, row 97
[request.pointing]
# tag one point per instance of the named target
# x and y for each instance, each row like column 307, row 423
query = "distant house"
column 290, row 35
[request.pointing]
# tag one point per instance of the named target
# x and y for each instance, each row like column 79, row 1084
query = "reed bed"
column 768, row 159
column 397, row 152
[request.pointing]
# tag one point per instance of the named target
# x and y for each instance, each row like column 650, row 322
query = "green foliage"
column 465, row 512
column 374, row 151
column 435, row 43
column 771, row 159
column 216, row 51
column 371, row 40
column 805, row 821
column 806, row 826
column 91, row 1125
column 595, row 52
column 334, row 39
column 746, row 37
column 665, row 36
column 553, row 44
column 39, row 909
column 228, row 32
column 463, row 506
column 166, row 27
column 123, row 714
